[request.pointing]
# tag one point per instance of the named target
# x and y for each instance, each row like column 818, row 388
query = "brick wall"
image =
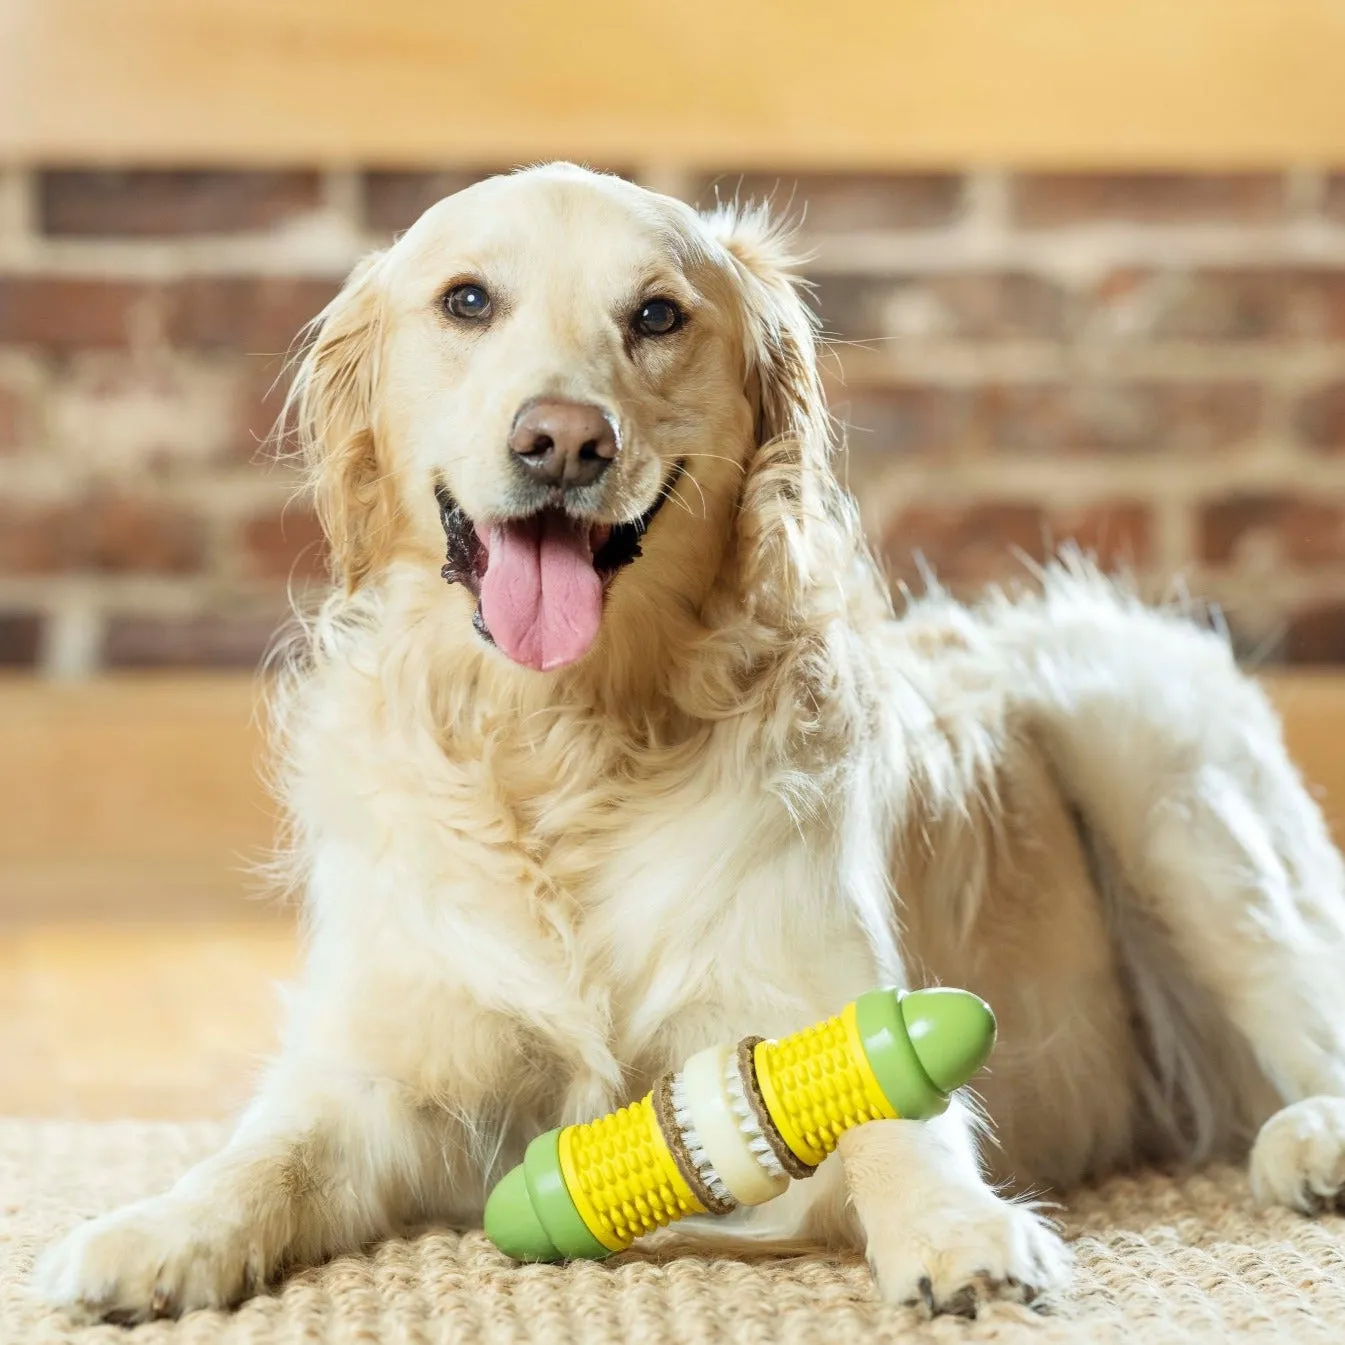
column 1151, row 364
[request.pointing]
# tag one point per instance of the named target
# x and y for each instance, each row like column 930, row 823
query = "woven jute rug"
column 1159, row 1260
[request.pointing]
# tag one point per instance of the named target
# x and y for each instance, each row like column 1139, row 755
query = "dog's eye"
column 657, row 317
column 470, row 303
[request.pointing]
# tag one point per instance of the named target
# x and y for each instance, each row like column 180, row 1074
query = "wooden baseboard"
column 139, row 797
column 145, row 1020
column 1313, row 708
column 136, row 798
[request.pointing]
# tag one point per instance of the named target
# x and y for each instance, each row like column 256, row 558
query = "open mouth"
column 540, row 580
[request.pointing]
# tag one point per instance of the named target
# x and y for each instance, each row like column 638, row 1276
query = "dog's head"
column 591, row 396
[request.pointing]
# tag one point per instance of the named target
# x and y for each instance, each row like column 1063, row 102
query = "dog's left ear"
column 790, row 486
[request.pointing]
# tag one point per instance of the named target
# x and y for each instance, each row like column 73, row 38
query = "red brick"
column 977, row 305
column 142, row 416
column 133, row 536
column 905, row 420
column 1316, row 634
column 1226, row 304
column 286, row 544
column 1334, row 203
column 1319, row 418
column 1147, row 198
column 152, row 203
column 61, row 314
column 1044, row 419
column 205, row 640
column 249, row 314
column 20, row 639
column 13, row 417
column 261, row 398
column 33, row 539
column 396, row 200
column 964, row 544
column 842, row 202
column 1167, row 417
column 1118, row 533
column 981, row 542
column 106, row 535
column 1300, row 530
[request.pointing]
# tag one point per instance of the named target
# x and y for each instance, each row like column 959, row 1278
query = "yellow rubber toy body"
column 736, row 1123
column 818, row 1084
column 622, row 1177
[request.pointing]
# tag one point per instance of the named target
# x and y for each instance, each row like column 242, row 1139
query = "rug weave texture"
column 1158, row 1260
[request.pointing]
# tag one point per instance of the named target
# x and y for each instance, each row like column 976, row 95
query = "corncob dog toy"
column 736, row 1123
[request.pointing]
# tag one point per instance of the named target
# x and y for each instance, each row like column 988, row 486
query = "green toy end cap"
column 952, row 1031
column 512, row 1223
column 531, row 1215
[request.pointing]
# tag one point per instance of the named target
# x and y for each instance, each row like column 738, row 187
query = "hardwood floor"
column 155, row 1021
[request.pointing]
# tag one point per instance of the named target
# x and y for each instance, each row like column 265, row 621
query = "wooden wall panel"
column 139, row 798
column 723, row 83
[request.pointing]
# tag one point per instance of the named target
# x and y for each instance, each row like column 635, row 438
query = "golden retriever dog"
column 651, row 763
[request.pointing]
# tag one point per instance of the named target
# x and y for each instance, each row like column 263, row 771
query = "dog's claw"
column 926, row 1287
column 963, row 1303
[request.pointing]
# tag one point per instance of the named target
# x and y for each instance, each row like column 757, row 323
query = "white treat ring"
column 719, row 1131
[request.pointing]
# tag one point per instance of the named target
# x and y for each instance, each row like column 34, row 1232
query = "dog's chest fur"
column 686, row 901
column 526, row 915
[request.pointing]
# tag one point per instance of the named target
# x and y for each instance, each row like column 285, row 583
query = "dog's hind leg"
column 1177, row 765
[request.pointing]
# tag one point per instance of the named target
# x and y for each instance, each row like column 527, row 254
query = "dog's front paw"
column 1299, row 1156
column 970, row 1249
column 157, row 1258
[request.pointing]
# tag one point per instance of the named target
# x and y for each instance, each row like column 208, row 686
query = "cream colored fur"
column 526, row 894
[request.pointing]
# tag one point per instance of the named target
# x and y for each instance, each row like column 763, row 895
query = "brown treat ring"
column 677, row 1146
column 793, row 1165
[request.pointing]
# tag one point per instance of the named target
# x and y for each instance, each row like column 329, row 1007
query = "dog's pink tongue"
column 541, row 596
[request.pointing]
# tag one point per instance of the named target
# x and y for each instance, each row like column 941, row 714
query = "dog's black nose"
column 563, row 443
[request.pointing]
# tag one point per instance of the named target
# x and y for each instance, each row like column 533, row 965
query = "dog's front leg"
column 934, row 1232
column 321, row 1163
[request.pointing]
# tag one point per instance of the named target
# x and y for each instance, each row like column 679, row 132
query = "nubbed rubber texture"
column 587, row 1191
column 622, row 1176
column 817, row 1084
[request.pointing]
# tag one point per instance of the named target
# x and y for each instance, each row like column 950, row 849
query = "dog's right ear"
column 332, row 403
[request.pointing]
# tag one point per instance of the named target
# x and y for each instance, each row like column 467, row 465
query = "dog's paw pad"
column 155, row 1259
column 972, row 1251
